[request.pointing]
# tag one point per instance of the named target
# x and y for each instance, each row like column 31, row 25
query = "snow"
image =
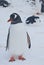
column 34, row 55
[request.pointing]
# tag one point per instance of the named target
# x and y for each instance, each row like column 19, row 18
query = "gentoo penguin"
column 31, row 19
column 18, row 39
column 4, row 3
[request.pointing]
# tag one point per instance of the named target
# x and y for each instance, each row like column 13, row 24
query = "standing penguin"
column 18, row 39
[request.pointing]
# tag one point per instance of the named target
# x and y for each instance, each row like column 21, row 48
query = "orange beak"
column 9, row 20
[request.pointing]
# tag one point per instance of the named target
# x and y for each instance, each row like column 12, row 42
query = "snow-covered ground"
column 35, row 55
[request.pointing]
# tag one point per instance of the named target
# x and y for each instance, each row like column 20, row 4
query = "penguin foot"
column 12, row 59
column 21, row 57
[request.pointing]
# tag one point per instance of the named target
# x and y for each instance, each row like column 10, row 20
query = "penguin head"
column 14, row 17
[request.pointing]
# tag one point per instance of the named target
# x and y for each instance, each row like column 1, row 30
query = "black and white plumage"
column 18, row 39
column 4, row 3
column 31, row 19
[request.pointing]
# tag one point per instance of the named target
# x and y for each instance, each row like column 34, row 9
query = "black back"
column 31, row 19
column 4, row 3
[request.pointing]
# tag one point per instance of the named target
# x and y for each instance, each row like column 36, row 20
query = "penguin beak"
column 9, row 20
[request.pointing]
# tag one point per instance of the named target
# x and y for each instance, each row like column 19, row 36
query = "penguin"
column 31, row 19
column 18, row 39
column 4, row 3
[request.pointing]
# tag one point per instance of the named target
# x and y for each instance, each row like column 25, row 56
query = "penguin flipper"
column 28, row 40
column 8, row 39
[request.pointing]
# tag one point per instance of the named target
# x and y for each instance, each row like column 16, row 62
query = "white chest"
column 18, row 39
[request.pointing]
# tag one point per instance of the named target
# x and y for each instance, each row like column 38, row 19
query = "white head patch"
column 15, row 16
